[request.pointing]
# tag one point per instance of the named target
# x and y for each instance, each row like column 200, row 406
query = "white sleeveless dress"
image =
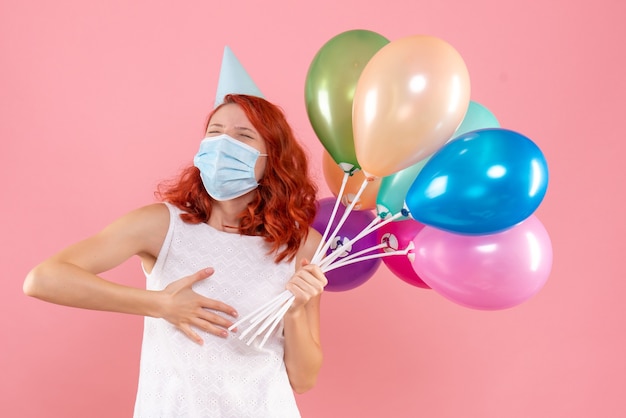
column 224, row 377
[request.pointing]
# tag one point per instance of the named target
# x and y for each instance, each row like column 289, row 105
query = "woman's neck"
column 225, row 215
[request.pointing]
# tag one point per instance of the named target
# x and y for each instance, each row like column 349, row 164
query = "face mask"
column 226, row 167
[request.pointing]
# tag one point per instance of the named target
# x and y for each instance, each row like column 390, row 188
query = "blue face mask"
column 227, row 167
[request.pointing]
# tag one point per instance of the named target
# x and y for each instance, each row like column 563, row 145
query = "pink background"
column 101, row 100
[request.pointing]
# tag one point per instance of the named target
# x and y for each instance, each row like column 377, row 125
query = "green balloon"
column 329, row 90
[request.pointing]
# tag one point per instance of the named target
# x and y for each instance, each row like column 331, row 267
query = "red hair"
column 284, row 204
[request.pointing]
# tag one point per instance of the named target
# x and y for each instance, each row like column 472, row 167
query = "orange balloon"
column 333, row 174
column 410, row 98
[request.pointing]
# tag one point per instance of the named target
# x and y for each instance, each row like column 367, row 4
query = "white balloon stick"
column 278, row 314
column 277, row 320
column 325, row 264
column 271, row 303
column 369, row 257
column 346, row 175
column 318, row 255
column 373, row 226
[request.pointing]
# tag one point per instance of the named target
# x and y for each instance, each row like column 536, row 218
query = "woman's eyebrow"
column 239, row 128
column 246, row 129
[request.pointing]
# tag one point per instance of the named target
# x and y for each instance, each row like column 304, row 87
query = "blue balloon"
column 483, row 182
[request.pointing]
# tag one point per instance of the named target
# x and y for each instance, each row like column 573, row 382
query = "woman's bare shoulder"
column 155, row 216
column 138, row 232
column 310, row 244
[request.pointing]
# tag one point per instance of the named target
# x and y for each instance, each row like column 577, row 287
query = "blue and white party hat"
column 234, row 79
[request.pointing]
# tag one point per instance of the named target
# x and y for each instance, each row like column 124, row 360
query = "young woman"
column 233, row 231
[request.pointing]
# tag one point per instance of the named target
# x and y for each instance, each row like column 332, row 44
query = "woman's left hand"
column 308, row 282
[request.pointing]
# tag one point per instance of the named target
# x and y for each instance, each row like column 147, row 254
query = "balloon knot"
column 368, row 176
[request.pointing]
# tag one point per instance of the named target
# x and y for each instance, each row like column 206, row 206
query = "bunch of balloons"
column 423, row 176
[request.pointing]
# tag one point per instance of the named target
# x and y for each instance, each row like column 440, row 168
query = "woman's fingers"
column 216, row 305
column 190, row 333
column 190, row 311
column 196, row 277
column 206, row 321
column 310, row 275
column 308, row 282
column 213, row 323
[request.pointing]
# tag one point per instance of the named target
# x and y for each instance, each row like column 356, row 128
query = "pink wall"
column 101, row 100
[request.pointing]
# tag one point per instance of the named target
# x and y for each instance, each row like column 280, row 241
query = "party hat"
column 234, row 79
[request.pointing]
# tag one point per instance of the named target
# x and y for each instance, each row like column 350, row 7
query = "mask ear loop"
column 260, row 181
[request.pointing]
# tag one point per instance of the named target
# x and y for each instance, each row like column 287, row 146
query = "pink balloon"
column 488, row 272
column 398, row 235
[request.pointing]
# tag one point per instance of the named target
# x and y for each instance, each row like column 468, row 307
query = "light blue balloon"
column 483, row 182
column 476, row 117
column 393, row 189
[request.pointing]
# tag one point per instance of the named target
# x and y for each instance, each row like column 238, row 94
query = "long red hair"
column 284, row 204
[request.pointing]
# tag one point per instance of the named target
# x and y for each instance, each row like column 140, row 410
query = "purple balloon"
column 488, row 272
column 353, row 275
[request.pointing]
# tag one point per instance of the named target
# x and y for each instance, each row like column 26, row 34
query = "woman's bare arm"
column 303, row 351
column 71, row 278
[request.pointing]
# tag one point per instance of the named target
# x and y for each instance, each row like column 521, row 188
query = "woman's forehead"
column 230, row 114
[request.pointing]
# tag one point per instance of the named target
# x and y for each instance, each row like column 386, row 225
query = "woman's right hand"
column 186, row 309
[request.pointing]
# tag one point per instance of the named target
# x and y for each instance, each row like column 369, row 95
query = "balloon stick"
column 346, row 175
column 343, row 263
column 270, row 319
column 261, row 311
column 373, row 226
column 319, row 254
column 354, row 255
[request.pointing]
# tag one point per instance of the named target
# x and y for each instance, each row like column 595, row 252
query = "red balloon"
column 399, row 235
